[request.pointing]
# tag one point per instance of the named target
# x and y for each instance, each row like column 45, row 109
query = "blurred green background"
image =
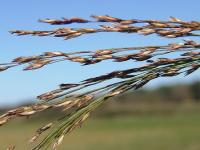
column 166, row 118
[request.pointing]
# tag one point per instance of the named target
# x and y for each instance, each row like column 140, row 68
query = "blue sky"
column 17, row 86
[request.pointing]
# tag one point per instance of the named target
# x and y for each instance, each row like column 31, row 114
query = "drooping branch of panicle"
column 170, row 29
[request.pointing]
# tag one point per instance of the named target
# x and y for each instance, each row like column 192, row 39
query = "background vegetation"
column 165, row 118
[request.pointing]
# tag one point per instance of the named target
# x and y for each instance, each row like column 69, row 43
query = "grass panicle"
column 80, row 99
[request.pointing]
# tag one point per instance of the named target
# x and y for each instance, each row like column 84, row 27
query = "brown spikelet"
column 12, row 147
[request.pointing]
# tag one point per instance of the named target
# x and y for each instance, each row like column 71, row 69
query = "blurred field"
column 167, row 118
column 146, row 132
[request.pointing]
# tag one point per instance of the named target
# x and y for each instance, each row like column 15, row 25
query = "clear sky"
column 17, row 86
